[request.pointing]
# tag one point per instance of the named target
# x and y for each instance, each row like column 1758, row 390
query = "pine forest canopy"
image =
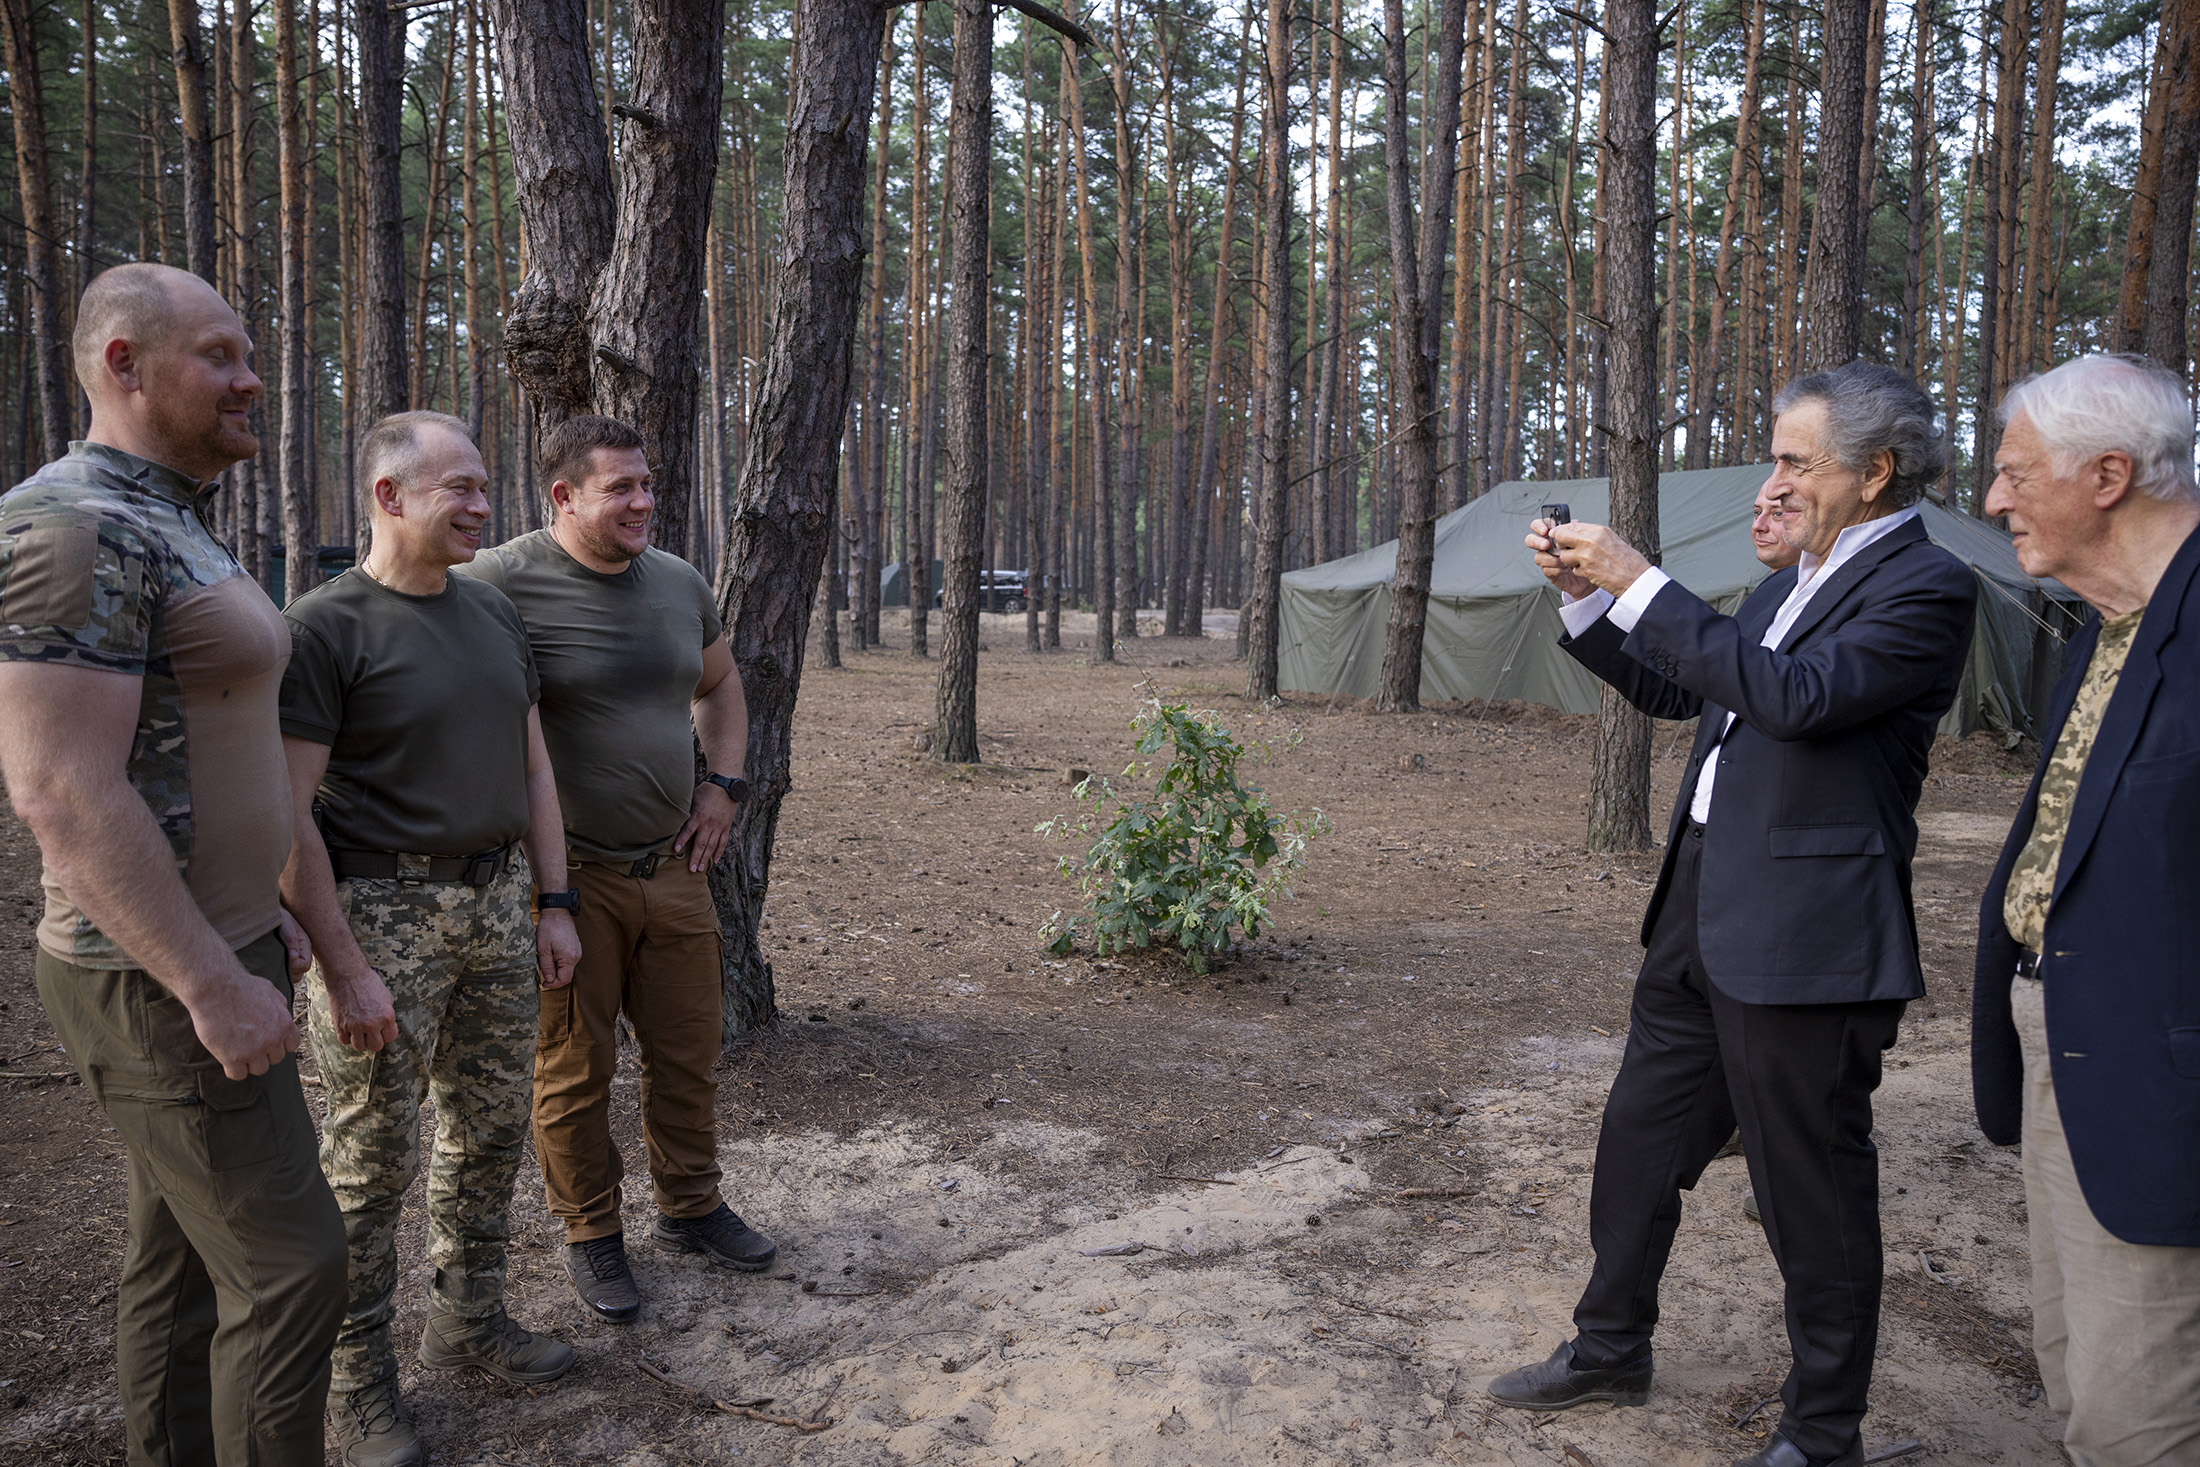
column 1257, row 287
column 2000, row 221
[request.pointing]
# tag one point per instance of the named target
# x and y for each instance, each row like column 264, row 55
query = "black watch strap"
column 732, row 784
column 567, row 900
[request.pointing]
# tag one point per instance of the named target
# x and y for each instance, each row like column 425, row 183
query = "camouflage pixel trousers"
column 460, row 964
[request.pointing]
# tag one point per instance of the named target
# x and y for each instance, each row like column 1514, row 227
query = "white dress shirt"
column 1810, row 573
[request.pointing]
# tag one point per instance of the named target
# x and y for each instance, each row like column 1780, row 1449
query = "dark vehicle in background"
column 1003, row 590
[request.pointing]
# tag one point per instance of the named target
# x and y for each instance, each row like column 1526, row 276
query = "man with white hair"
column 2085, row 1016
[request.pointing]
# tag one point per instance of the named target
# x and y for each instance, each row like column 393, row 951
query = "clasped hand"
column 1579, row 558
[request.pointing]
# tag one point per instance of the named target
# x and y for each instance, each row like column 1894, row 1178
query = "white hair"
column 2112, row 404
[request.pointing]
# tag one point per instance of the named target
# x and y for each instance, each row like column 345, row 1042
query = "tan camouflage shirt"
column 105, row 564
column 2032, row 879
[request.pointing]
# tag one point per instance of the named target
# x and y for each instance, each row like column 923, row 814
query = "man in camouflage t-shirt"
column 138, row 673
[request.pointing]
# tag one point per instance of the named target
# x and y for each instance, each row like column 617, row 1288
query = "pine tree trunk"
column 1129, row 251
column 1907, row 347
column 969, row 187
column 1261, row 617
column 42, row 271
column 2003, row 145
column 87, row 182
column 2169, row 278
column 2130, row 325
column 386, row 385
column 871, row 532
column 301, row 518
column 1417, row 276
column 782, row 529
column 1837, row 259
column 1619, row 789
column 2032, row 349
column 1097, row 390
column 1210, row 423
column 187, row 43
column 1704, row 383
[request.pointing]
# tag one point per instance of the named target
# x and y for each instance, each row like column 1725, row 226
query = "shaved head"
column 136, row 303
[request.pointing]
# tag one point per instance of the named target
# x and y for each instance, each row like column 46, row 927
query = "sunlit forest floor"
column 1357, row 1155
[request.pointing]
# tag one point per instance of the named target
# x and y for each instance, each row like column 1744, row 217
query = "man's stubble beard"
column 604, row 547
column 203, row 441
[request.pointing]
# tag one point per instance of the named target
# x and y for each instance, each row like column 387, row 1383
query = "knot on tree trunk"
column 546, row 345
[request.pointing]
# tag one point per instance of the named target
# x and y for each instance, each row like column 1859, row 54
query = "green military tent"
column 1493, row 625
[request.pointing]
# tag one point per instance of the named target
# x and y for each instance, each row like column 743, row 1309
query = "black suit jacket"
column 2122, row 962
column 1805, row 895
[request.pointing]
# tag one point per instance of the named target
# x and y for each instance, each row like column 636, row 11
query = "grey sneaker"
column 602, row 1279
column 495, row 1344
column 721, row 1237
column 372, row 1429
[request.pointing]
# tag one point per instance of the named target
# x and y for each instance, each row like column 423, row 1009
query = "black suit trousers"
column 1798, row 1080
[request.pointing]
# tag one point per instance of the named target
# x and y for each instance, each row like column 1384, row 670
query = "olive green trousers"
column 233, row 1279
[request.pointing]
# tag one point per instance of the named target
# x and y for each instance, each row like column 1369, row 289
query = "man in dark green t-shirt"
column 635, row 671
column 418, row 776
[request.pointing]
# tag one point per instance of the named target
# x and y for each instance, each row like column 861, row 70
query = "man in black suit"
column 2086, row 1010
column 1781, row 943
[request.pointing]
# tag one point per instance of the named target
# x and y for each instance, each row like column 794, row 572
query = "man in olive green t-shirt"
column 635, row 671
column 418, row 775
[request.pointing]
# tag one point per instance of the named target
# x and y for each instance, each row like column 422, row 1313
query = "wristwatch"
column 733, row 784
column 568, row 900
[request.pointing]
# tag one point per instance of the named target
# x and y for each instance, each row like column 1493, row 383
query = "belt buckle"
column 2028, row 966
column 411, row 868
column 646, row 867
column 483, row 869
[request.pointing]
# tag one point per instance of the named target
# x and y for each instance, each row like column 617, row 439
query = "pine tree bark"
column 1830, row 335
column 301, row 517
column 970, row 120
column 1263, row 596
column 607, row 317
column 187, row 44
column 87, row 172
column 2129, row 331
column 789, row 482
column 383, row 366
column 1210, row 418
column 2004, row 144
column 2169, row 278
column 1097, row 390
column 870, row 534
column 42, row 270
column 1416, row 292
column 1704, row 382
column 1619, row 788
column 1913, row 249
column 2039, row 202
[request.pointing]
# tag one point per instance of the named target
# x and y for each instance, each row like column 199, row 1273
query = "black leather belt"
column 2028, row 964
column 477, row 870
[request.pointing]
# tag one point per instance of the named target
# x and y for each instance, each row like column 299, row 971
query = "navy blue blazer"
column 2122, row 963
column 1805, row 894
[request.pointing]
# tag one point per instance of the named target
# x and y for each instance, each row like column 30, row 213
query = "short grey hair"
column 1870, row 407
column 2093, row 405
column 391, row 448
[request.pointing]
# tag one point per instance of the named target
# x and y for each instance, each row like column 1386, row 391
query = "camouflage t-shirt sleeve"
column 312, row 705
column 72, row 589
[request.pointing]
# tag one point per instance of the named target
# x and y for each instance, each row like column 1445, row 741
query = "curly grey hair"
column 1870, row 407
column 2093, row 405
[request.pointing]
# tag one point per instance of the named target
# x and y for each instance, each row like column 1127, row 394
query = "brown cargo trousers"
column 649, row 948
column 233, row 1279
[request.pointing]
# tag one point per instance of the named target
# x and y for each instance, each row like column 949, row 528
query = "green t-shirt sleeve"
column 487, row 567
column 72, row 591
column 706, row 606
column 312, row 704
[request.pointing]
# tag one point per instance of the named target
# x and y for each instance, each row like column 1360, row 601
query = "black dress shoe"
column 1555, row 1384
column 1780, row 1452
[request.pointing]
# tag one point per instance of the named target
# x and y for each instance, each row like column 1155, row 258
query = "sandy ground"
column 954, row 1136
